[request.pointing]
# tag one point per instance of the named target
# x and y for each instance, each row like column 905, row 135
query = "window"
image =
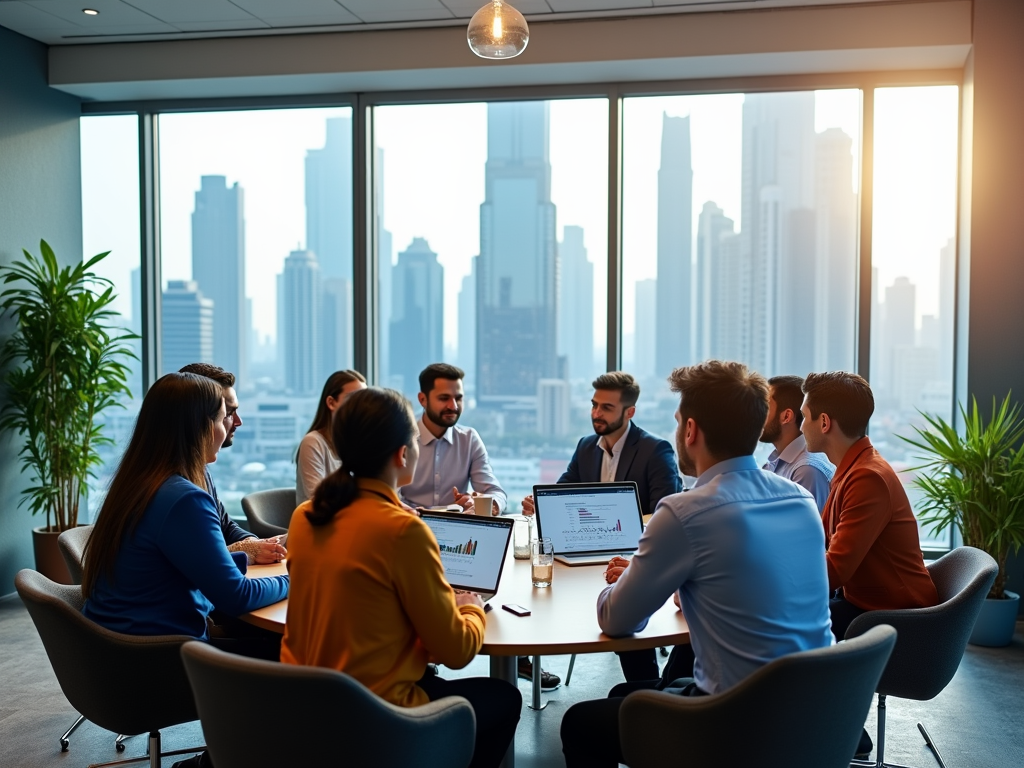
column 492, row 255
column 256, row 228
column 110, row 222
column 913, row 269
column 739, row 236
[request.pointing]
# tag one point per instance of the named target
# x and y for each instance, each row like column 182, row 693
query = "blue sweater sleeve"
column 191, row 539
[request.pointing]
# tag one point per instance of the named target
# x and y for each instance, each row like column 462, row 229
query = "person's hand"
column 615, row 568
column 528, row 507
column 468, row 598
column 675, row 599
column 464, row 500
column 268, row 551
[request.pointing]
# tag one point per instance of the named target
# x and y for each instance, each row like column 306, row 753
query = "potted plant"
column 65, row 364
column 975, row 482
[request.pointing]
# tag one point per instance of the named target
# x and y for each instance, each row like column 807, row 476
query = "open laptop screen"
column 472, row 548
column 589, row 518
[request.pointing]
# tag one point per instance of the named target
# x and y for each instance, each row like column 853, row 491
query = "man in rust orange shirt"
column 872, row 546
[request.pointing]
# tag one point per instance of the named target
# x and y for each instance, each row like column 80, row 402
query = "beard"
column 444, row 418
column 686, row 463
column 602, row 427
column 772, row 430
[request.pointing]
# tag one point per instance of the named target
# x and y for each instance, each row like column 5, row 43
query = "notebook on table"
column 472, row 548
column 589, row 523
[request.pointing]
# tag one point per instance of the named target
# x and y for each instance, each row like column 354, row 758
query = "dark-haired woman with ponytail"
column 316, row 457
column 156, row 563
column 368, row 593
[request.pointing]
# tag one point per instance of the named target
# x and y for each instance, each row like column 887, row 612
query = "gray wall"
column 992, row 237
column 40, row 198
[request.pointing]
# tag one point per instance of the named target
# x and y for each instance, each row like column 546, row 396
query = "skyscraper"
column 299, row 342
column 675, row 232
column 186, row 332
column 777, row 192
column 575, row 303
column 644, row 325
column 553, row 407
column 467, row 327
column 329, row 200
column 898, row 329
column 417, row 325
column 836, row 263
column 712, row 228
column 335, row 325
column 218, row 267
column 384, row 267
column 516, row 278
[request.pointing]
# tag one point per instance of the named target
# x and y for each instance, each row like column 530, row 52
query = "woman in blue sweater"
column 156, row 563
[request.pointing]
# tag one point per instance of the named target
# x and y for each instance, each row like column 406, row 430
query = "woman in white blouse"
column 317, row 458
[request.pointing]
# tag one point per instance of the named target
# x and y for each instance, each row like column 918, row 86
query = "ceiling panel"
column 221, row 26
column 193, row 12
column 465, row 9
column 373, row 11
column 298, row 12
column 24, row 17
column 112, row 12
column 574, row 6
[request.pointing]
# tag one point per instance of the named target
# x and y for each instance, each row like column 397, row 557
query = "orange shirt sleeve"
column 864, row 511
column 451, row 635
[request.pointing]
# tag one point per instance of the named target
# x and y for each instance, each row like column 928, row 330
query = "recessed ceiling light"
column 90, row 12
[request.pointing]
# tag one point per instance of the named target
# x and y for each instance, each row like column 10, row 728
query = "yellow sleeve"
column 451, row 635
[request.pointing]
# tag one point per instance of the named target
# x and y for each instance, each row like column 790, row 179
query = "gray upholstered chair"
column 805, row 709
column 931, row 640
column 86, row 657
column 269, row 512
column 72, row 548
column 320, row 717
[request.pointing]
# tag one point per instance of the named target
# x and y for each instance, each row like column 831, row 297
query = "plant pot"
column 996, row 622
column 49, row 560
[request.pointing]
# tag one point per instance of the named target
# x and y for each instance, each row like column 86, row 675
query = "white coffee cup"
column 483, row 505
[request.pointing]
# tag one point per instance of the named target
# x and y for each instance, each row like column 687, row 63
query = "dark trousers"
column 642, row 666
column 843, row 613
column 495, row 703
column 243, row 639
column 590, row 729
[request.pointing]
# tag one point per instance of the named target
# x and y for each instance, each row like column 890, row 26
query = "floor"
column 988, row 690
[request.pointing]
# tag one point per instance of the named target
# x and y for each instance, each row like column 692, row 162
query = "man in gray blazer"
column 620, row 451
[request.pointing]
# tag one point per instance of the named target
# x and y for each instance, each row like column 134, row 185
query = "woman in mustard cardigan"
column 368, row 593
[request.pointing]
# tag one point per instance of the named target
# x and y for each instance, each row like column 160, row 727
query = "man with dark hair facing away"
column 237, row 538
column 791, row 459
column 742, row 552
column 618, row 451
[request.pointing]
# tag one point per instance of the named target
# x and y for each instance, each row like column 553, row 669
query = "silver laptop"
column 472, row 548
column 589, row 523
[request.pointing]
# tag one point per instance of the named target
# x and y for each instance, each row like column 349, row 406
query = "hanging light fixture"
column 497, row 31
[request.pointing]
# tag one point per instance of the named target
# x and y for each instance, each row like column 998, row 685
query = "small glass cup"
column 542, row 562
column 522, row 533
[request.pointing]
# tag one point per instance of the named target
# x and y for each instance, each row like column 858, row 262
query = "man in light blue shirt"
column 743, row 552
column 791, row 459
column 451, row 457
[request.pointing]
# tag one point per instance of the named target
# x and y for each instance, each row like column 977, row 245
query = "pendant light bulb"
column 497, row 31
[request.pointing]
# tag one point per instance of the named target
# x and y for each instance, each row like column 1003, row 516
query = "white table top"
column 563, row 619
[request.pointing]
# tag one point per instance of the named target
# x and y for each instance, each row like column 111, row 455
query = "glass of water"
column 542, row 562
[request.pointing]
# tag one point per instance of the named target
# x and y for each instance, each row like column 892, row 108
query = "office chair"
column 931, row 640
column 269, row 512
column 85, row 657
column 320, row 717
column 804, row 710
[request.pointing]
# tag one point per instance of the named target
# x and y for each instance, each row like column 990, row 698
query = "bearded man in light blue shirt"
column 743, row 553
column 791, row 459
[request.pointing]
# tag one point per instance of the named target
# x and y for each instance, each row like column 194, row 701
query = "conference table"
column 563, row 620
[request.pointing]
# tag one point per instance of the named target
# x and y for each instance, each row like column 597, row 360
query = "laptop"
column 472, row 548
column 589, row 523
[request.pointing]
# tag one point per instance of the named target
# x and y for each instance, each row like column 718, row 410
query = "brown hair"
column 171, row 436
column 845, row 397
column 621, row 382
column 787, row 392
column 224, row 378
column 374, row 423
column 332, row 388
column 436, row 371
column 728, row 402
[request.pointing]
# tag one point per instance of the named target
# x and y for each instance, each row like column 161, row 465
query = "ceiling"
column 62, row 22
